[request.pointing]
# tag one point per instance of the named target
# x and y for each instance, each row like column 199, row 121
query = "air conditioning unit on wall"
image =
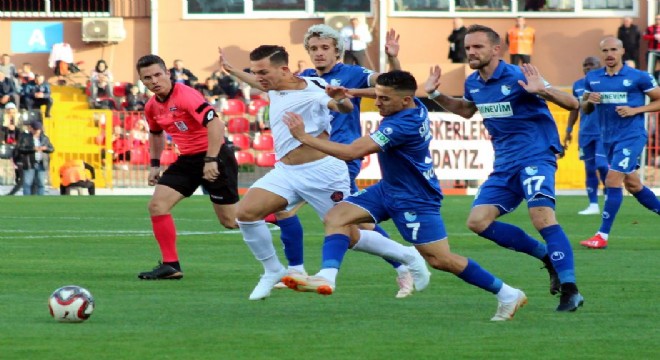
column 103, row 29
column 338, row 21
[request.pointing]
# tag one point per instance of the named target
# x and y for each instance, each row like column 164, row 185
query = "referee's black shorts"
column 185, row 175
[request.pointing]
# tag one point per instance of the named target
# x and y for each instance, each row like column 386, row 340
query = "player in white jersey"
column 301, row 173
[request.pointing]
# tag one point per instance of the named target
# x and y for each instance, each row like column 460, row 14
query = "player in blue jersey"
column 408, row 193
column 617, row 94
column 512, row 102
column 591, row 147
column 325, row 48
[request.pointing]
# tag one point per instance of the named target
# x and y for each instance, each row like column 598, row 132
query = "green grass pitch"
column 101, row 243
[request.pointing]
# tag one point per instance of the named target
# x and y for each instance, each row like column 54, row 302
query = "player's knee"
column 478, row 224
column 246, row 214
column 333, row 220
column 157, row 207
column 633, row 185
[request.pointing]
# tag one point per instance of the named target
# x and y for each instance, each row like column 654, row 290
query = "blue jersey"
column 625, row 88
column 520, row 124
column 405, row 160
column 345, row 127
column 588, row 122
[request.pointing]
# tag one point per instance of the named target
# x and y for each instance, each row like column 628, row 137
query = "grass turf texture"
column 101, row 243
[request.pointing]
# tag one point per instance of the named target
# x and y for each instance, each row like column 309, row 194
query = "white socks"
column 374, row 243
column 258, row 238
column 507, row 294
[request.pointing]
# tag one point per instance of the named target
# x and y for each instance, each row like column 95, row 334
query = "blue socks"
column 613, row 200
column 335, row 247
column 292, row 240
column 591, row 180
column 513, row 237
column 647, row 198
column 477, row 276
column 380, row 230
column 560, row 252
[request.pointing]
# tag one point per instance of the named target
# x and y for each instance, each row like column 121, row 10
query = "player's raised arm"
column 240, row 74
column 536, row 85
column 356, row 150
column 392, row 50
column 460, row 107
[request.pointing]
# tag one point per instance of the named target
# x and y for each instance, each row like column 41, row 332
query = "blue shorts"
column 416, row 224
column 624, row 156
column 590, row 147
column 506, row 190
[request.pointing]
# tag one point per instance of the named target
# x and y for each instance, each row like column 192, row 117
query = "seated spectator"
column 182, row 75
column 77, row 174
column 8, row 92
column 104, row 96
column 11, row 125
column 101, row 81
column 134, row 100
column 211, row 91
column 140, row 133
column 10, row 70
column 38, row 95
column 228, row 84
column 121, row 147
column 26, row 76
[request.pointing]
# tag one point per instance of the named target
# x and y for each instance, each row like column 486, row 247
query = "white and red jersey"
column 183, row 115
column 311, row 103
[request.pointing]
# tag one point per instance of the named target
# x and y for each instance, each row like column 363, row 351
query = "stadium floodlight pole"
column 154, row 27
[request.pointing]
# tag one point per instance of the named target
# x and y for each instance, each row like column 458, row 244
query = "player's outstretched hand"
column 295, row 123
column 154, row 176
column 392, row 43
column 593, row 98
column 535, row 82
column 223, row 61
column 211, row 171
column 337, row 92
column 433, row 80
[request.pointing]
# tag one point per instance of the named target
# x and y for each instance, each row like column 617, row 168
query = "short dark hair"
column 277, row 54
column 149, row 60
column 398, row 80
column 492, row 35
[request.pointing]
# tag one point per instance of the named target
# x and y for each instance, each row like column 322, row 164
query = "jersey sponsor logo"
column 613, row 97
column 495, row 110
column 337, row 196
column 531, row 170
column 410, row 216
column 425, row 130
column 627, row 82
column 174, row 108
column 380, row 138
column 181, row 125
column 506, row 90
column 594, row 82
column 335, row 82
column 474, row 91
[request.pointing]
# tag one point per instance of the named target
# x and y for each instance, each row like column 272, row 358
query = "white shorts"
column 322, row 183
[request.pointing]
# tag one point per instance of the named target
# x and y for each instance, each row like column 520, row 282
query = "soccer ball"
column 71, row 304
